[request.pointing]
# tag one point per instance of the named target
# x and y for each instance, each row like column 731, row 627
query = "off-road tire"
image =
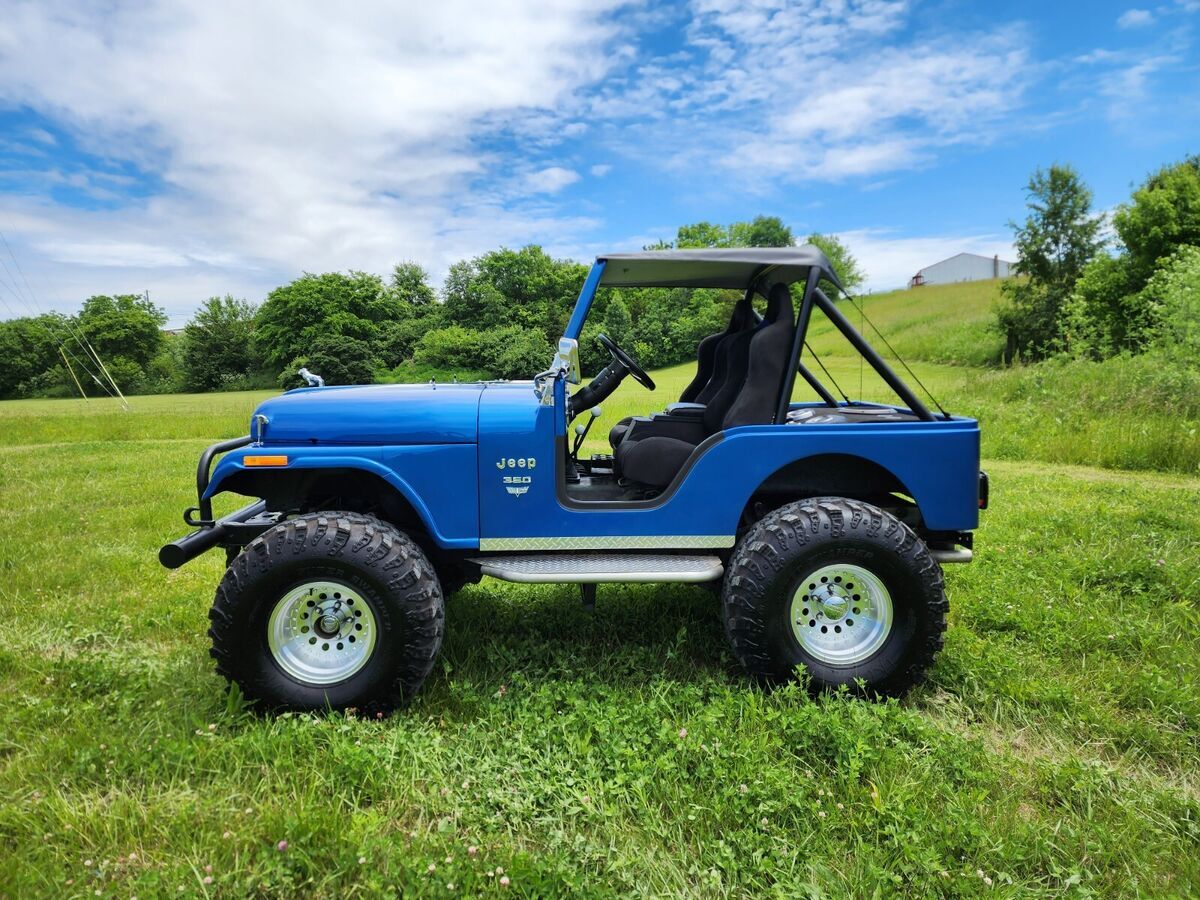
column 387, row 569
column 776, row 555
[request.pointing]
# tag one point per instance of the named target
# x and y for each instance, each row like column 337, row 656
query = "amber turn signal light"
column 265, row 460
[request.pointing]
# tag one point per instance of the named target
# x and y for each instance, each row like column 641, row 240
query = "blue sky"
column 191, row 149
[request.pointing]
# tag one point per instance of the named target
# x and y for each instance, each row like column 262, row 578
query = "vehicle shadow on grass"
column 636, row 633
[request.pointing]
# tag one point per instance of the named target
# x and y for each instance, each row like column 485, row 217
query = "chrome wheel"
column 321, row 632
column 841, row 614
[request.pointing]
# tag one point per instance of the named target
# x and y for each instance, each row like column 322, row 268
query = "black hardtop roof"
column 735, row 268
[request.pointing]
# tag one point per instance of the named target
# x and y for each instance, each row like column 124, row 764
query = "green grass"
column 1055, row 749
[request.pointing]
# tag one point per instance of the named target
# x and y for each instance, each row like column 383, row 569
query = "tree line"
column 1088, row 292
column 497, row 315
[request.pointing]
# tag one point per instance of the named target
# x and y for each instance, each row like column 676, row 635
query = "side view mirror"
column 567, row 358
column 565, row 365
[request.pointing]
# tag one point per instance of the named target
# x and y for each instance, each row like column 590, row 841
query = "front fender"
column 439, row 481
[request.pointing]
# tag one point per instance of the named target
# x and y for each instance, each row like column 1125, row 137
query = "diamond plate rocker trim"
column 602, row 568
column 610, row 542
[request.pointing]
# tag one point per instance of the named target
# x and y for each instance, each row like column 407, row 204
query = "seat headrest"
column 743, row 313
column 779, row 303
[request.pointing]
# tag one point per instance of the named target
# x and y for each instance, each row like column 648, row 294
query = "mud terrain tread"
column 412, row 593
column 787, row 531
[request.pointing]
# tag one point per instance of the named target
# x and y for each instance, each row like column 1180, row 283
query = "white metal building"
column 962, row 267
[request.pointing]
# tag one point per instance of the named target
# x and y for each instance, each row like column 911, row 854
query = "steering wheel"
column 638, row 373
column 608, row 379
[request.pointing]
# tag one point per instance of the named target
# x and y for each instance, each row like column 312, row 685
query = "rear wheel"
column 327, row 610
column 839, row 587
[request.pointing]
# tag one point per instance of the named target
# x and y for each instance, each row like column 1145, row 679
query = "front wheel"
column 839, row 587
column 328, row 610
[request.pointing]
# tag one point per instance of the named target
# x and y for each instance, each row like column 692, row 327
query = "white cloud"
column 283, row 136
column 1127, row 88
column 290, row 136
column 1135, row 18
column 817, row 91
column 550, row 180
column 889, row 260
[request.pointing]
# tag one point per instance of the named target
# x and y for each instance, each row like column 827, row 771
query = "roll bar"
column 814, row 296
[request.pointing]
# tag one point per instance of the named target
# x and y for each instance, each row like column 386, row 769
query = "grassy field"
column 1055, row 751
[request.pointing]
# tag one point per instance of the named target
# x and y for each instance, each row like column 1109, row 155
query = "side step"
column 601, row 568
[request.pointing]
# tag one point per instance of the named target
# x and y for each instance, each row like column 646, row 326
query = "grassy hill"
column 1128, row 413
column 947, row 323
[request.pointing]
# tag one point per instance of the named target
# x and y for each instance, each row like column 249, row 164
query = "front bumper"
column 236, row 529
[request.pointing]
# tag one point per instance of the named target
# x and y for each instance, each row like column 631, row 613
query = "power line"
column 85, row 346
column 33, row 294
column 44, row 321
column 828, row 374
column 899, row 358
column 41, row 322
column 82, row 393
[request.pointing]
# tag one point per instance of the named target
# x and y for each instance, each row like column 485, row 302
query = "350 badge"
column 516, row 484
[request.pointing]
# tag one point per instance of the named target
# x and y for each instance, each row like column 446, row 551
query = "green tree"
column 449, row 348
column 701, row 234
column 353, row 305
column 165, row 373
column 1059, row 238
column 1162, row 215
column 840, row 258
column 470, row 299
column 514, row 352
column 618, row 324
column 1176, row 289
column 523, row 287
column 398, row 340
column 338, row 358
column 410, row 285
column 28, row 348
column 126, row 331
column 218, row 344
column 762, row 231
column 420, row 313
column 128, row 326
column 1116, row 306
column 507, row 351
column 660, row 244
column 1101, row 317
column 129, row 376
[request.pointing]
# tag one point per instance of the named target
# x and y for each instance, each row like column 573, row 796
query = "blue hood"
column 379, row 414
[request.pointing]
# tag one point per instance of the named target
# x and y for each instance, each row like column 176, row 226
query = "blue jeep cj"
column 824, row 524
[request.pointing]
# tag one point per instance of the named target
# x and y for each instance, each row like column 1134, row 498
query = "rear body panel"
column 523, row 507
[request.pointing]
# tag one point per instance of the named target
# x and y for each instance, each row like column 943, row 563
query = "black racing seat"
column 711, row 368
column 757, row 362
column 711, row 363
